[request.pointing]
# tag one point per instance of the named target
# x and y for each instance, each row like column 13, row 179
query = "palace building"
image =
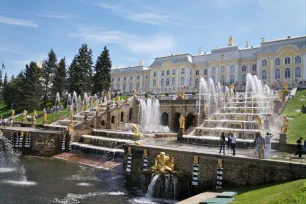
column 273, row 62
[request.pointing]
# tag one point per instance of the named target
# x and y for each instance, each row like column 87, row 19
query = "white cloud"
column 18, row 22
column 154, row 44
column 56, row 16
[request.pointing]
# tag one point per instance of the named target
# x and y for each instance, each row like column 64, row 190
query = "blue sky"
column 135, row 30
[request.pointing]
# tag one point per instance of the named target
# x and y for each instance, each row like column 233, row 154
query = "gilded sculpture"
column 45, row 117
column 34, row 115
column 231, row 41
column 286, row 85
column 204, row 108
column 129, row 150
column 163, row 164
column 284, row 128
column 135, row 93
column 145, row 153
column 258, row 120
column 195, row 160
column 135, row 130
column 219, row 163
column 25, row 115
column 13, row 115
column 182, row 122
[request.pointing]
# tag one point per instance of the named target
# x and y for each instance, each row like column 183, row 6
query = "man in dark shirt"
column 299, row 147
column 222, row 143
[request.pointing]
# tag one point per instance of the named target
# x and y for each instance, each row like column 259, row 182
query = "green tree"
column 49, row 67
column 1, row 82
column 73, row 76
column 102, row 76
column 5, row 90
column 58, row 81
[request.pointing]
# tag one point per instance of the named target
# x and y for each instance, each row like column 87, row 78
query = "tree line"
column 37, row 85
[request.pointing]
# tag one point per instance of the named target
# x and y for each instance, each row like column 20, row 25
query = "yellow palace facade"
column 273, row 62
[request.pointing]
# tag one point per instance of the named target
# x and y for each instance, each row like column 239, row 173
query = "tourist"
column 4, row 122
column 268, row 145
column 260, row 143
column 229, row 140
column 222, row 143
column 255, row 142
column 299, row 147
column 233, row 143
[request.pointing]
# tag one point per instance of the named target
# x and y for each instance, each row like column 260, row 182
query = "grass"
column 291, row 192
column 5, row 111
column 297, row 126
column 50, row 118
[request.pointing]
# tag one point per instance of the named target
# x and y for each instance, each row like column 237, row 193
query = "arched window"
column 197, row 83
column 154, row 83
column 197, row 72
column 287, row 73
column 131, row 77
column 264, row 74
column 243, row 79
column 173, row 81
column 154, row 74
column 163, row 73
column 298, row 60
column 222, row 79
column 147, row 76
column 173, row 71
column 124, row 87
column 254, row 69
column 182, row 81
column 287, row 60
column 222, row 69
column 183, row 71
column 264, row 63
column 232, row 69
column 168, row 72
column 298, row 72
column 277, row 74
column 205, row 71
column 146, row 85
column 122, row 117
column 124, row 78
column 162, row 82
column 213, row 70
column 243, row 68
column 167, row 82
column 113, row 120
column 138, row 77
column 214, row 79
column 277, row 61
column 232, row 79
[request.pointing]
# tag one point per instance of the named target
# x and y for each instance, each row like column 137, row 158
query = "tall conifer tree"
column 58, row 81
column 49, row 67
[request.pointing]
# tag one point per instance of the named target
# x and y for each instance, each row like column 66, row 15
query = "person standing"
column 299, row 147
column 229, row 140
column 260, row 143
column 268, row 145
column 256, row 145
column 233, row 143
column 222, row 143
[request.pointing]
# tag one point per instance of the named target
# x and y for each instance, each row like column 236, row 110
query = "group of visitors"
column 263, row 146
column 6, row 122
column 230, row 139
column 300, row 148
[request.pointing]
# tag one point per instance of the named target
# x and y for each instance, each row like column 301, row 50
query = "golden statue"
column 204, row 108
column 182, row 94
column 258, row 120
column 91, row 101
column 34, row 115
column 195, row 160
column 70, row 126
column 231, row 41
column 286, row 85
column 25, row 115
column 284, row 128
column 163, row 164
column 13, row 115
column 135, row 130
column 135, row 93
column 129, row 150
column 45, row 117
column 109, row 96
column 219, row 163
column 182, row 122
column 145, row 153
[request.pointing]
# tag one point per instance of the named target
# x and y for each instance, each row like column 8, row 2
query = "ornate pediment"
column 223, row 57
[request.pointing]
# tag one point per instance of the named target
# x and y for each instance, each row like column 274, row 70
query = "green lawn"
column 51, row 117
column 287, row 193
column 297, row 126
column 5, row 111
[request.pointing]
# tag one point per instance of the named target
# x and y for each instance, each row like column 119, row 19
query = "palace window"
column 298, row 72
column 147, row 76
column 131, row 78
column 264, row 75
column 162, row 82
column 183, row 71
column 197, row 72
column 222, row 69
column 168, row 72
column 167, row 82
column 154, row 74
column 298, row 60
column 254, row 69
column 213, row 70
column 287, row 73
column 182, row 81
column 232, row 69
column 197, row 83
column 287, row 60
column 173, row 71
column 243, row 79
column 205, row 71
column 264, row 63
column 146, row 85
column 154, row 83
column 118, row 79
column 232, row 79
column 244, row 68
column 222, row 79
column 173, row 81
column 277, row 61
column 163, row 73
column 138, row 77
column 277, row 74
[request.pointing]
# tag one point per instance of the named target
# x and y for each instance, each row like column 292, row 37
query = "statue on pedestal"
column 24, row 118
column 219, row 166
column 45, row 117
column 163, row 164
column 258, row 120
column 135, row 93
column 182, row 122
column 13, row 115
column 231, row 41
column 284, row 128
column 286, row 85
column 195, row 160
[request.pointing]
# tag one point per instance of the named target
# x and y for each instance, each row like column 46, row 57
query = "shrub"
column 303, row 109
column 166, row 94
column 146, row 95
column 194, row 93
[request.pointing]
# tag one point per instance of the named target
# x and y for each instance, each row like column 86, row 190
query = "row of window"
column 277, row 61
column 297, row 73
column 131, row 78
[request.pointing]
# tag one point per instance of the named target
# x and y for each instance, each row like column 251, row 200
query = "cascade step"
column 107, row 139
column 106, row 149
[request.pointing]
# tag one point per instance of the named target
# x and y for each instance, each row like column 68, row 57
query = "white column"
column 227, row 67
column 271, row 69
column 237, row 73
column 304, row 67
column 249, row 68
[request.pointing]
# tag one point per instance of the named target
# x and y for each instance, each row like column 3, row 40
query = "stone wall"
column 237, row 171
